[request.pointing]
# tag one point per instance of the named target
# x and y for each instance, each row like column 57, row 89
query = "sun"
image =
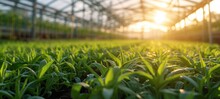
column 159, row 17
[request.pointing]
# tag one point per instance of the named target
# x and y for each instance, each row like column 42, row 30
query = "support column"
column 66, row 26
column 14, row 27
column 65, row 21
column 185, row 25
column 111, row 19
column 185, row 22
column 84, row 9
column 55, row 32
column 210, row 24
column 99, row 21
column 91, row 22
column 73, row 20
column 75, row 27
column 41, row 20
column 33, row 21
column 204, row 24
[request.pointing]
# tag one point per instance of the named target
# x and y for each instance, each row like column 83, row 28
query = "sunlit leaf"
column 119, row 63
column 162, row 67
column 43, row 70
column 148, row 65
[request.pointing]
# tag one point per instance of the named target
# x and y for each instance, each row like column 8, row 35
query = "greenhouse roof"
column 124, row 12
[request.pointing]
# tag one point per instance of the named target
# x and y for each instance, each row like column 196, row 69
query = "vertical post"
column 41, row 20
column 101, row 21
column 14, row 28
column 56, row 29
column 33, row 21
column 204, row 24
column 110, row 30
column 84, row 27
column 91, row 21
column 113, row 26
column 55, row 17
column 98, row 20
column 73, row 34
column 209, row 23
column 65, row 21
column 67, row 29
column 143, row 18
column 75, row 27
column 84, row 9
column 185, row 22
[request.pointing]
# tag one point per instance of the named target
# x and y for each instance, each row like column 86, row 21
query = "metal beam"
column 194, row 2
column 195, row 8
column 49, row 3
column 120, row 2
column 65, row 7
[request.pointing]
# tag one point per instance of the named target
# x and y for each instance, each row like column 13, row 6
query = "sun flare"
column 159, row 17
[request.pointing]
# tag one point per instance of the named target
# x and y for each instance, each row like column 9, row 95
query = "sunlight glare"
column 159, row 17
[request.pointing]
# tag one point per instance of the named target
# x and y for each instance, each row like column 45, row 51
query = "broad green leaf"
column 212, row 69
column 24, row 84
column 170, row 79
column 3, row 71
column 190, row 80
column 71, row 66
column 35, row 97
column 185, row 60
column 181, row 70
column 128, row 90
column 101, row 68
column 43, row 62
column 43, row 70
column 75, row 91
column 125, row 75
column 147, row 65
column 5, row 93
column 141, row 73
column 169, row 91
column 109, row 77
column 112, row 63
column 107, row 93
column 96, row 75
column 59, row 55
column 27, row 86
column 202, row 62
column 112, row 77
column 56, row 69
column 31, row 71
column 119, row 63
column 162, row 67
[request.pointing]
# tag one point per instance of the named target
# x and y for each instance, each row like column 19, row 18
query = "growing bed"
column 107, row 69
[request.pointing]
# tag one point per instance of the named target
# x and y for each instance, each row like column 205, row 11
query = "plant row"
column 109, row 70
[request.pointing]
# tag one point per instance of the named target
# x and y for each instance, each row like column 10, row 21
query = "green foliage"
column 109, row 70
column 20, row 22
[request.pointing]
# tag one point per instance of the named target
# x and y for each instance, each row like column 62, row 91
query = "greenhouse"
column 109, row 49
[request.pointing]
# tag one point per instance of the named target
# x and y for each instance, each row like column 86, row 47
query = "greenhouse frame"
column 102, row 15
column 109, row 49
